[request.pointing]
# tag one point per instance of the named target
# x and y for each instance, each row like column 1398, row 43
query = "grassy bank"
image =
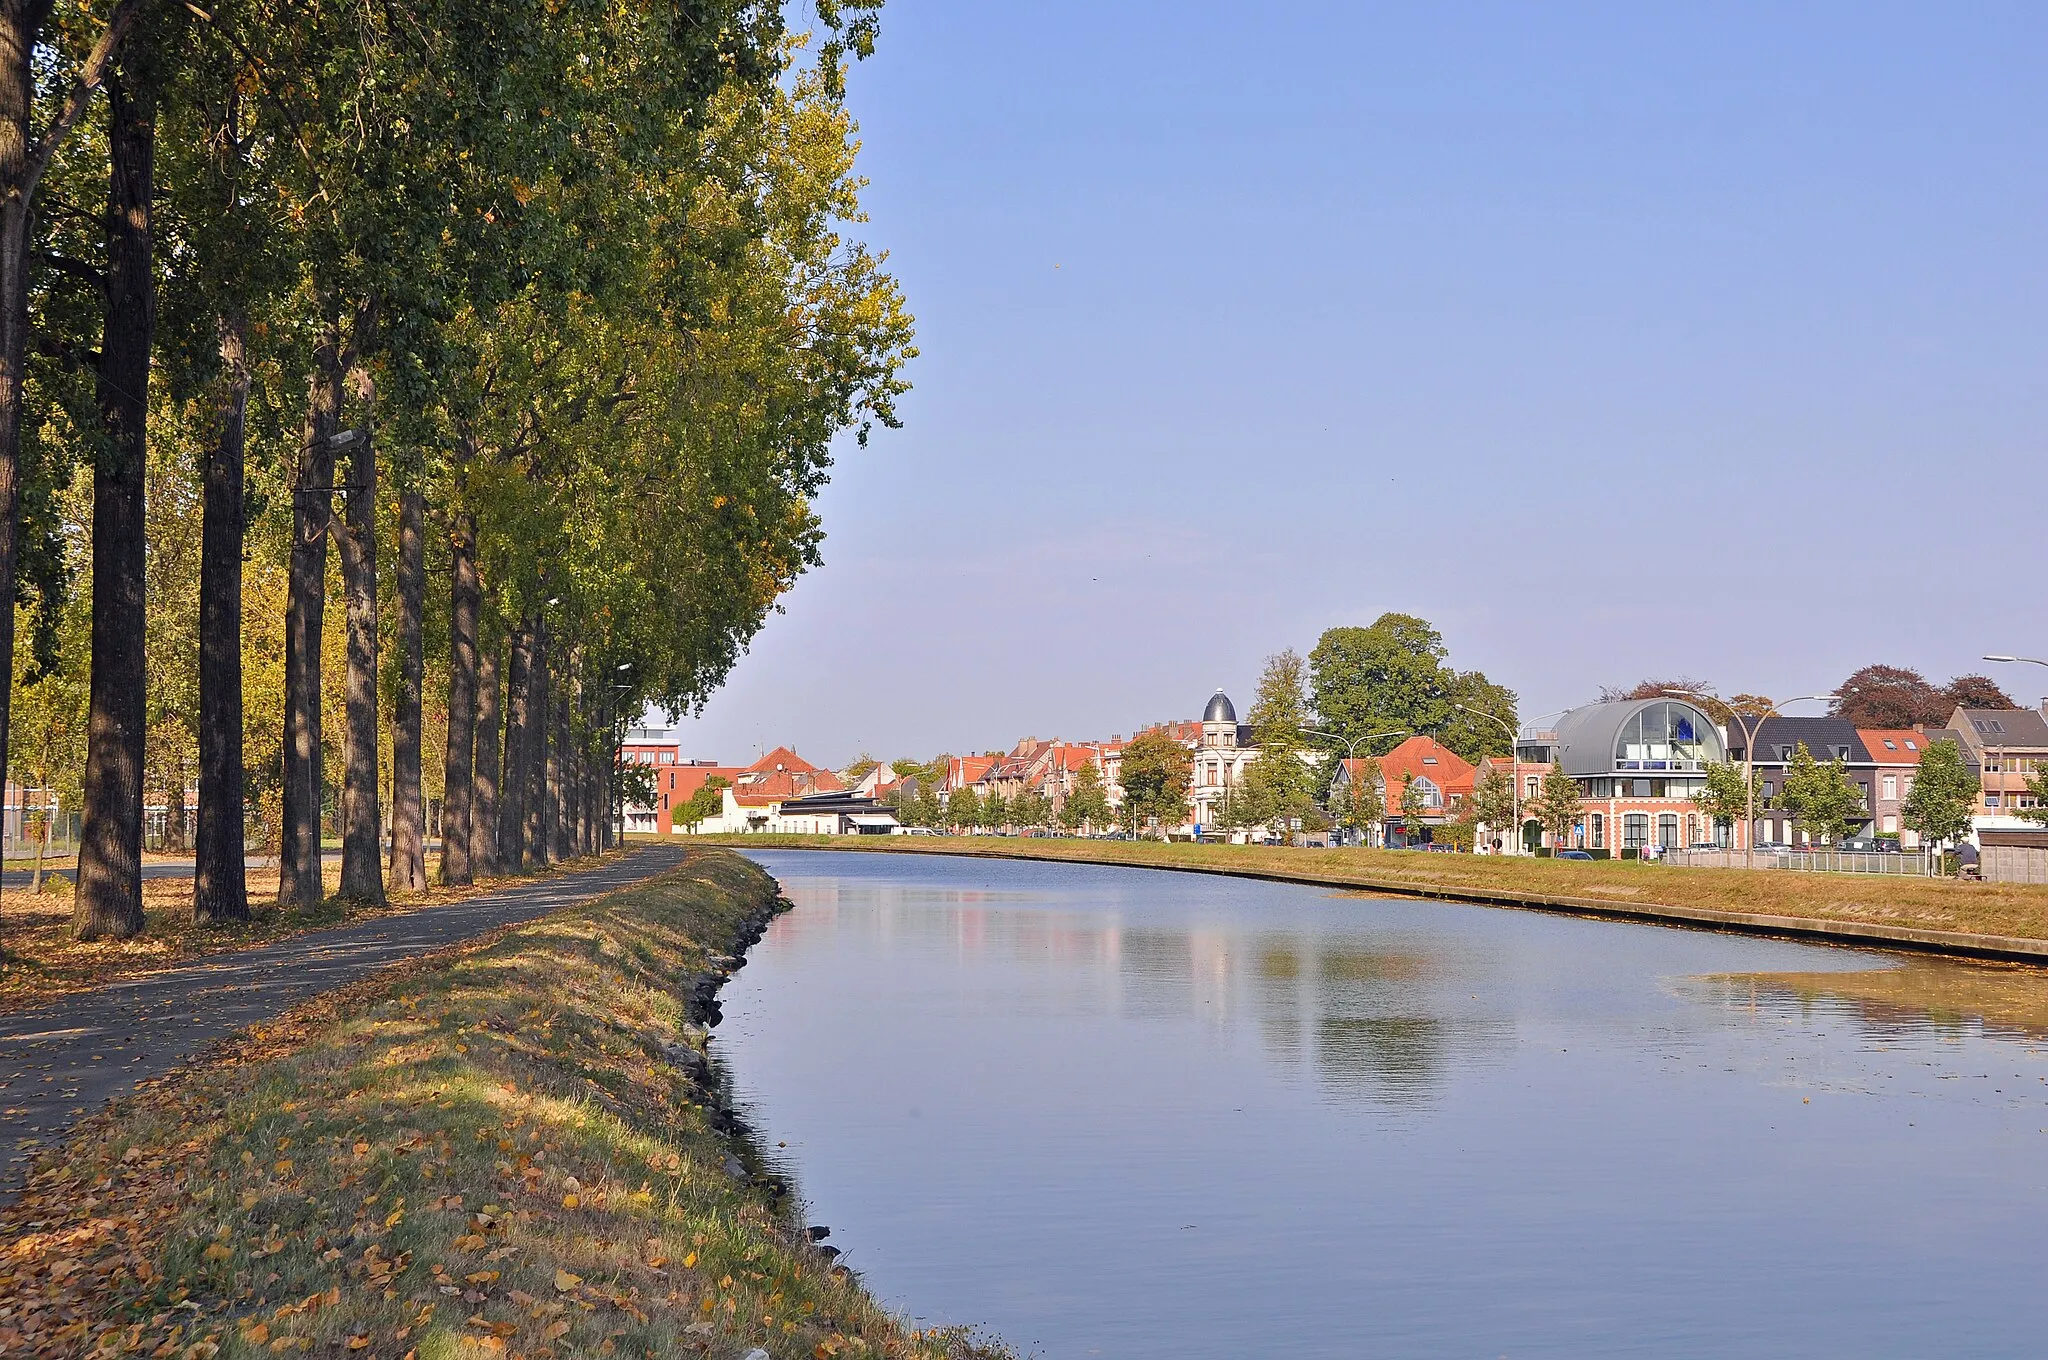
column 2013, row 910
column 508, row 1149
column 40, row 961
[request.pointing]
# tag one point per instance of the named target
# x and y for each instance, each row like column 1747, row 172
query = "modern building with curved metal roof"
column 1656, row 737
column 1638, row 764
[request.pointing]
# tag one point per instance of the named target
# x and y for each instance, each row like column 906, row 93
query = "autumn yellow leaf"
column 565, row 1282
column 571, row 1201
column 218, row 1251
column 357, row 1343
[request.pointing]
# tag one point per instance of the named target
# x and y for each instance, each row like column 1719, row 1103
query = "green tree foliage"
column 707, row 802
column 1086, row 806
column 1280, row 786
column 1030, row 808
column 2037, row 785
column 1944, row 794
column 1557, row 805
column 1819, row 796
column 963, row 808
column 1155, row 774
column 1728, row 794
column 1393, row 676
column 1493, row 802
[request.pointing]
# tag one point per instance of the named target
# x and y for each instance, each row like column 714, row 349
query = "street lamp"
column 1351, row 746
column 1749, row 732
column 1514, row 763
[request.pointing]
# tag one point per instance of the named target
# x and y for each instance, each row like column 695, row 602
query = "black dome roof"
column 1219, row 709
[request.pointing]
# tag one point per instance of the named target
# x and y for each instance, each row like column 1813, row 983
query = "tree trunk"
column 362, row 822
column 484, row 783
column 220, row 890
column 536, row 762
column 408, row 813
column 20, row 25
column 299, row 882
column 518, row 745
column 458, row 770
column 108, row 903
column 559, row 807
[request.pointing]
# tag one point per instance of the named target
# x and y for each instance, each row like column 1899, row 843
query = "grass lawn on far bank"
column 40, row 961
column 2006, row 909
column 502, row 1150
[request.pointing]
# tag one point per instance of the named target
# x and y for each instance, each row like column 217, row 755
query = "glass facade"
column 1667, row 736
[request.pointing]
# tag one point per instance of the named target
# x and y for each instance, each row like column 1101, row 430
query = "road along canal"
column 1108, row 1111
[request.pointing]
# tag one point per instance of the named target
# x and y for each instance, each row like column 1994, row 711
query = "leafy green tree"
column 1944, row 795
column 1388, row 676
column 1087, row 803
column 2037, row 785
column 1726, row 797
column 963, row 808
column 1485, row 722
column 1280, row 785
column 1413, row 805
column 1819, row 796
column 1557, row 805
column 707, row 802
column 1492, row 804
column 1155, row 775
column 1030, row 809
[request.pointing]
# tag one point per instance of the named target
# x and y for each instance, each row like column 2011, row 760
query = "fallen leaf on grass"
column 565, row 1282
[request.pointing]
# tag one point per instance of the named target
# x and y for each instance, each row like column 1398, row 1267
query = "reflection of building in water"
column 1380, row 1024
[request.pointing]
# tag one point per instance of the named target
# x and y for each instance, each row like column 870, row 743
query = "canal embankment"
column 513, row 1146
column 2004, row 921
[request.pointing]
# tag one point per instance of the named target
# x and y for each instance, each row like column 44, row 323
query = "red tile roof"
column 1422, row 757
column 1905, row 749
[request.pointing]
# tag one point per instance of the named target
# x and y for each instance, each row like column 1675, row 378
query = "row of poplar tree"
column 524, row 327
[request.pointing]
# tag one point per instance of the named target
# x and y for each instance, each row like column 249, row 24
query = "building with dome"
column 1222, row 753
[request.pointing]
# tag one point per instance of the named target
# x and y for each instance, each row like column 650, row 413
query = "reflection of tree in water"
column 1913, row 999
column 1395, row 1058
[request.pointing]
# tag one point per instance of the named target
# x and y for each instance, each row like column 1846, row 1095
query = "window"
column 1785, row 753
column 1912, row 745
column 1841, row 752
column 1863, row 791
column 1891, row 788
column 1667, row 830
column 1890, row 745
column 1599, row 831
column 1635, row 830
column 1532, row 787
column 1891, row 824
column 1429, row 760
column 1990, row 800
column 1666, row 736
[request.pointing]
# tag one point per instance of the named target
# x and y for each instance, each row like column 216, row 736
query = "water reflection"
column 1915, row 997
column 1367, row 1024
column 1120, row 1113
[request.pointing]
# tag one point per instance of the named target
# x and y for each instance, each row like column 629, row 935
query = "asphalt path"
column 61, row 1061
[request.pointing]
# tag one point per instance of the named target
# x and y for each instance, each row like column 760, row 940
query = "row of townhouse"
column 781, row 792
column 1640, row 764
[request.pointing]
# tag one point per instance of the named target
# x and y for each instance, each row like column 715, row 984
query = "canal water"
column 1121, row 1112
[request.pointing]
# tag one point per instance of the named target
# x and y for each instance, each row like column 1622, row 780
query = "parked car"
column 1571, row 854
column 913, row 831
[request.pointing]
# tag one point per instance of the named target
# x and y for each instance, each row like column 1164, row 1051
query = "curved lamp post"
column 1749, row 731
column 1351, row 746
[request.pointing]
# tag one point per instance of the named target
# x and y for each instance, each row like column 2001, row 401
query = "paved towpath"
column 63, row 1060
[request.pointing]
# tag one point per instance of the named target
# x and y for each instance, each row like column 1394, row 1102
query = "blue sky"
column 1613, row 339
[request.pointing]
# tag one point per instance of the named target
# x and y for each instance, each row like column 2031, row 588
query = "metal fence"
column 1907, row 864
